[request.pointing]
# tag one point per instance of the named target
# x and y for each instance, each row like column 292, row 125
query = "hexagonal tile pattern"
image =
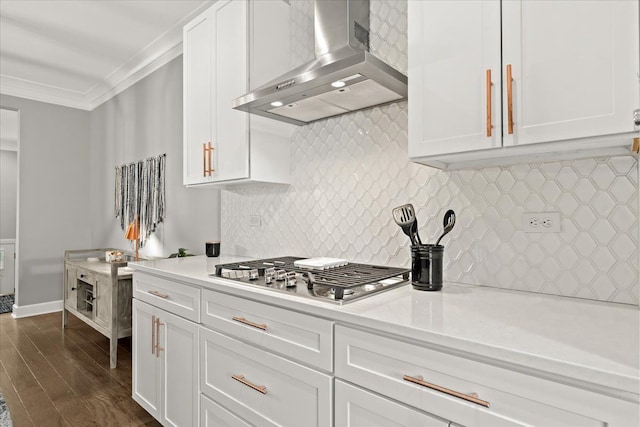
column 349, row 172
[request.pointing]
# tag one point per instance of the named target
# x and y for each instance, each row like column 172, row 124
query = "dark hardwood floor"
column 51, row 377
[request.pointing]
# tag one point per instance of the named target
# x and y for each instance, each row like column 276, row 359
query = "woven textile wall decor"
column 140, row 190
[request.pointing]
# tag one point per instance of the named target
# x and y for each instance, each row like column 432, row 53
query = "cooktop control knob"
column 269, row 275
column 280, row 275
column 290, row 279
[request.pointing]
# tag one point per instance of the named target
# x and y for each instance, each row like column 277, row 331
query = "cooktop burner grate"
column 347, row 276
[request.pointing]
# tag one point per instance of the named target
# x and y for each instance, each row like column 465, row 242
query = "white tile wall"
column 349, row 173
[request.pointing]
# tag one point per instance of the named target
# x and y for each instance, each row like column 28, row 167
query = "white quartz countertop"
column 578, row 341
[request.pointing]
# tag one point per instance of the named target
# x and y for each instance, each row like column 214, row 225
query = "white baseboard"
column 36, row 309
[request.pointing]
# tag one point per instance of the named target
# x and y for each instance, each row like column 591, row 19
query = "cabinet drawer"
column 297, row 336
column 174, row 297
column 386, row 366
column 214, row 415
column 85, row 276
column 262, row 388
column 356, row 407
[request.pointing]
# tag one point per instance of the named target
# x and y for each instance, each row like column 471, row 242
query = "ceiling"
column 80, row 53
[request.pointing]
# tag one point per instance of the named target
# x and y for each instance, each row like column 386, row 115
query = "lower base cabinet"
column 165, row 365
column 260, row 387
column 356, row 407
column 214, row 415
column 467, row 392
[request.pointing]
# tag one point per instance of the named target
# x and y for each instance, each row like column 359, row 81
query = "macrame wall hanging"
column 139, row 190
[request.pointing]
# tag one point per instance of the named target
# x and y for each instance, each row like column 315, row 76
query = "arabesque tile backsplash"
column 349, row 172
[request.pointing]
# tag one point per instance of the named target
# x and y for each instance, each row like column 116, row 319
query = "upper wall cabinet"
column 232, row 47
column 502, row 82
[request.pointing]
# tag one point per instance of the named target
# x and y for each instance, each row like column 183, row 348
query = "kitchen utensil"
column 415, row 236
column 405, row 217
column 448, row 222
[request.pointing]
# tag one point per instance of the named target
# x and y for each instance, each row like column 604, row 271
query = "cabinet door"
column 198, row 118
column 146, row 369
column 574, row 66
column 453, row 45
column 356, row 407
column 262, row 388
column 71, row 292
column 102, row 302
column 214, row 415
column 178, row 341
column 230, row 80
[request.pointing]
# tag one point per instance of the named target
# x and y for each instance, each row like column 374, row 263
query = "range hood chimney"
column 344, row 77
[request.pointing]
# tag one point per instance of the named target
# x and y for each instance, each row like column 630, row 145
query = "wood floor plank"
column 56, row 377
column 19, row 413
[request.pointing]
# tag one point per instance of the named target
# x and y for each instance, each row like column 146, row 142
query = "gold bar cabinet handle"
column 210, row 159
column 261, row 389
column 489, row 84
column 635, row 148
column 153, row 334
column 158, row 294
column 204, row 159
column 420, row 381
column 509, row 100
column 158, row 348
column 247, row 322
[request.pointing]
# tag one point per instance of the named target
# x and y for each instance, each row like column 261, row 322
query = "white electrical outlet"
column 254, row 220
column 541, row 222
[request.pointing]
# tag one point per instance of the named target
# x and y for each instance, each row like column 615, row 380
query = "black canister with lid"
column 426, row 267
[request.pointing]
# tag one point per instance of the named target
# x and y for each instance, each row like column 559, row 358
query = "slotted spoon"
column 405, row 217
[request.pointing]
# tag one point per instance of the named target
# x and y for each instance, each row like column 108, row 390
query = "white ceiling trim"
column 161, row 51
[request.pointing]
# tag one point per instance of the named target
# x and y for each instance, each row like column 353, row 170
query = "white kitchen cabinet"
column 232, row 47
column 468, row 392
column 214, row 415
column 356, row 407
column 147, row 373
column 500, row 82
column 165, row 365
column 303, row 338
column 260, row 387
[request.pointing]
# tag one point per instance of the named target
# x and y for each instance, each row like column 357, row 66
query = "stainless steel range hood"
column 344, row 77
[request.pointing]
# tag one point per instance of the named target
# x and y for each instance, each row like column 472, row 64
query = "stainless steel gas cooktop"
column 339, row 285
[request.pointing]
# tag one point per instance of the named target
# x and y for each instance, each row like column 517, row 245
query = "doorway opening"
column 9, row 186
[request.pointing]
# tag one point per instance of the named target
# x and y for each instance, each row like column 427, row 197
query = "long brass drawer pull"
column 488, row 89
column 158, row 294
column 247, row 322
column 153, row 334
column 204, row 159
column 158, row 348
column 509, row 100
column 420, row 381
column 261, row 389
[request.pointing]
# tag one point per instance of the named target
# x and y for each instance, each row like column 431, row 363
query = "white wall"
column 146, row 120
column 54, row 192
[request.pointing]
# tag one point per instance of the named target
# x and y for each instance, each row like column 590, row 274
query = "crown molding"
column 41, row 92
column 159, row 52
